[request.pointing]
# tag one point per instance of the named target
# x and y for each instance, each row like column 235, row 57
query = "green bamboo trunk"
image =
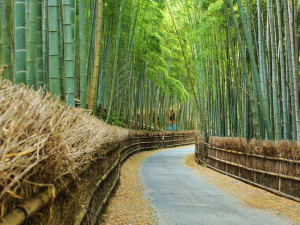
column 20, row 42
column 261, row 51
column 115, row 69
column 60, row 30
column 295, row 78
column 68, row 54
column 40, row 82
column 263, row 106
column 6, row 38
column 74, row 37
column 252, row 95
column 45, row 44
column 32, row 43
column 1, row 40
column 54, row 75
column 97, row 59
column 290, row 72
column 276, row 104
column 83, row 55
column 285, row 122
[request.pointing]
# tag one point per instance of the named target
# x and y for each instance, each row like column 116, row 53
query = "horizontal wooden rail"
column 237, row 165
column 250, row 182
column 29, row 207
column 256, row 170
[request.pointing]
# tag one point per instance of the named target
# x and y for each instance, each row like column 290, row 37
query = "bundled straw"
column 42, row 141
column 282, row 149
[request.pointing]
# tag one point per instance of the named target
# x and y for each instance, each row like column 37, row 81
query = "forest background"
column 225, row 67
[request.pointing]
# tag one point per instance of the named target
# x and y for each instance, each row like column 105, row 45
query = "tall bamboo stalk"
column 54, row 74
column 40, row 82
column 6, row 38
column 261, row 53
column 32, row 40
column 276, row 104
column 285, row 122
column 252, row 95
column 290, row 71
column 97, row 58
column 45, row 43
column 60, row 32
column 76, row 56
column 83, row 55
column 20, row 42
column 68, row 54
column 295, row 87
column 261, row 98
column 1, row 40
column 115, row 69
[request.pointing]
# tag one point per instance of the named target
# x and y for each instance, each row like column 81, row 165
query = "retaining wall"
column 82, row 202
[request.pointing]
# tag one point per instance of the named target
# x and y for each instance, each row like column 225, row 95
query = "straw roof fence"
column 42, row 142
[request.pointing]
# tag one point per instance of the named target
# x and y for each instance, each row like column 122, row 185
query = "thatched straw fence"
column 273, row 166
column 60, row 165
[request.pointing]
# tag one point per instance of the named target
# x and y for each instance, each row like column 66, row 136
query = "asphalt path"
column 180, row 196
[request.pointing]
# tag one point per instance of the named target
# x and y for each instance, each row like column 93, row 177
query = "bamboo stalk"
column 97, row 57
column 68, row 54
column 275, row 91
column 286, row 132
column 45, row 43
column 6, row 38
column 53, row 54
column 115, row 67
column 1, row 38
column 295, row 87
column 32, row 42
column 83, row 55
column 252, row 94
column 29, row 207
column 20, row 42
column 40, row 80
column 261, row 98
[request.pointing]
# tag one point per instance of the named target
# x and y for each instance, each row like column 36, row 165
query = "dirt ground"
column 250, row 195
column 129, row 205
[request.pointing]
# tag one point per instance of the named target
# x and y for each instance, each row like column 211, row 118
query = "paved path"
column 180, row 196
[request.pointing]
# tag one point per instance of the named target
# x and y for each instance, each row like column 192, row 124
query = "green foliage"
column 153, row 44
column 114, row 120
column 177, row 87
column 157, row 56
column 215, row 8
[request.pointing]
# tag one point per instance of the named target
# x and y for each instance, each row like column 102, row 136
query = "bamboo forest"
column 149, row 112
column 224, row 67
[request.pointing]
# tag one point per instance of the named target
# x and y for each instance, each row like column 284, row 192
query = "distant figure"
column 172, row 127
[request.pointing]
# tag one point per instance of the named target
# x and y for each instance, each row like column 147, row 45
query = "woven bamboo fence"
column 83, row 202
column 278, row 175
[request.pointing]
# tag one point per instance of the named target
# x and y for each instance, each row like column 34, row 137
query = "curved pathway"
column 180, row 196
